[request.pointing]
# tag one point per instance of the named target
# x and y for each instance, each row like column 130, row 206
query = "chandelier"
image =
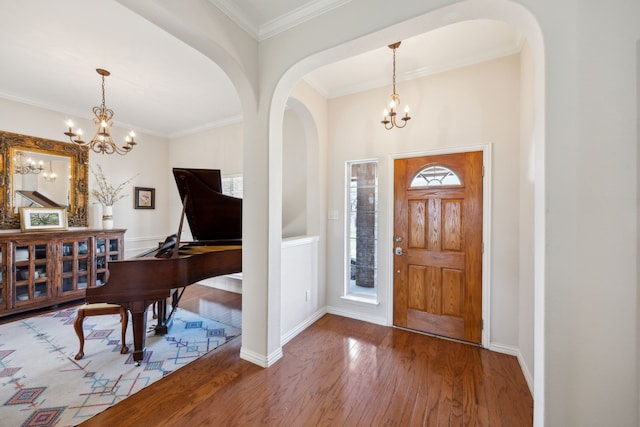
column 102, row 142
column 389, row 117
column 26, row 166
column 51, row 175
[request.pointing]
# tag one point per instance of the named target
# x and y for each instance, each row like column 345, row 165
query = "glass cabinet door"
column 31, row 273
column 107, row 249
column 75, row 265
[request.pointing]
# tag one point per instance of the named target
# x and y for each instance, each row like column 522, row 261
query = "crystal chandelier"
column 26, row 166
column 51, row 175
column 389, row 117
column 102, row 142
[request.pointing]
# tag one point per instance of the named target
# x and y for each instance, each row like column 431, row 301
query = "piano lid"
column 211, row 214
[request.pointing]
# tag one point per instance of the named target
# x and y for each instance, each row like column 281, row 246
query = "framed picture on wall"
column 145, row 198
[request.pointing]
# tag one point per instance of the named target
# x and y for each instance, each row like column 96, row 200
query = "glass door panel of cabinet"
column 101, row 246
column 31, row 273
column 101, row 260
column 75, row 265
column 21, row 273
column 107, row 249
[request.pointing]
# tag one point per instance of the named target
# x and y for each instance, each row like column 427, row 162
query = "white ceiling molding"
column 281, row 23
column 208, row 126
column 237, row 15
column 297, row 17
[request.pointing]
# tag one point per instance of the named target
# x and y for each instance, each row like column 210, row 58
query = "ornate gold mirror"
column 42, row 172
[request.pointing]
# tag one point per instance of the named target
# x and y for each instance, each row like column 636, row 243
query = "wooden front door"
column 438, row 245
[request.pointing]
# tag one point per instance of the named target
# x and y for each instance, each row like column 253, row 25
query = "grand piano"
column 215, row 221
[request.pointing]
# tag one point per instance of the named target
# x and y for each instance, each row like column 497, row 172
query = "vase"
column 107, row 217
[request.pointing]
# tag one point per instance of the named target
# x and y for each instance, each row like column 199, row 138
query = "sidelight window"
column 362, row 243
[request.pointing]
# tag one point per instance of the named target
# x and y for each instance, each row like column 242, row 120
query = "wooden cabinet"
column 47, row 268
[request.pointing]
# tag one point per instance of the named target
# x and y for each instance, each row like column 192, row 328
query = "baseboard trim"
column 357, row 316
column 259, row 359
column 514, row 351
column 285, row 338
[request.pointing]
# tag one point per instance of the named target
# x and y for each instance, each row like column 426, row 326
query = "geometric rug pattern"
column 42, row 385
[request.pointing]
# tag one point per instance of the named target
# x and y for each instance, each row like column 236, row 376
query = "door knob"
column 398, row 251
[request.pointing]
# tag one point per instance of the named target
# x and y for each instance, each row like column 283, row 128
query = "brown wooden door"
column 438, row 245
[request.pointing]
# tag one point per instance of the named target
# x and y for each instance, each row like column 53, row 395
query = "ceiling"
column 159, row 85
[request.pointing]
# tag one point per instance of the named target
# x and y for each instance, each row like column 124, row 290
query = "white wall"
column 294, row 177
column 591, row 278
column 301, row 290
column 311, row 109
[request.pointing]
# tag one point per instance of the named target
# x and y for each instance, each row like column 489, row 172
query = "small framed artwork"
column 42, row 219
column 145, row 198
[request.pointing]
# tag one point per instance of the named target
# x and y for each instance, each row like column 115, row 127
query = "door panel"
column 438, row 238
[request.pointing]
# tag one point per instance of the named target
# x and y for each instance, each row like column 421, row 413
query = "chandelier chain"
column 103, row 104
column 394, row 70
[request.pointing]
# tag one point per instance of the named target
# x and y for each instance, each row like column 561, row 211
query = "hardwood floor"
column 338, row 372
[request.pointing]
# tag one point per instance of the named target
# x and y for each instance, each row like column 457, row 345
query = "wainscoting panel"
column 299, row 284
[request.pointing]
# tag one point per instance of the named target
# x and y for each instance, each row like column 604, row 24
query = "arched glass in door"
column 435, row 175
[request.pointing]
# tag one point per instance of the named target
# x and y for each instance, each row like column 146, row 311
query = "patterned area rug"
column 41, row 384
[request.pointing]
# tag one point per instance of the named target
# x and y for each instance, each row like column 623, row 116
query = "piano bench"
column 96, row 310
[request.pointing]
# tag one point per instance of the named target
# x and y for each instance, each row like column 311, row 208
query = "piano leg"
column 161, row 327
column 165, row 318
column 139, row 321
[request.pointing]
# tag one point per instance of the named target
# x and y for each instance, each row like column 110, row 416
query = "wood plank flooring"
column 338, row 372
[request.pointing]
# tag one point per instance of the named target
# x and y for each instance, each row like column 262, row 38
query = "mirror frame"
column 79, row 188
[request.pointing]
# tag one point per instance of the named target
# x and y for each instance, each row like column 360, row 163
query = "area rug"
column 41, row 384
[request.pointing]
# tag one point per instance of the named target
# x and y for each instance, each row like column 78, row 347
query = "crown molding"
column 298, row 16
column 238, row 16
column 282, row 23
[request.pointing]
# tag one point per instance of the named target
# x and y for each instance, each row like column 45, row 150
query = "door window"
column 435, row 175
